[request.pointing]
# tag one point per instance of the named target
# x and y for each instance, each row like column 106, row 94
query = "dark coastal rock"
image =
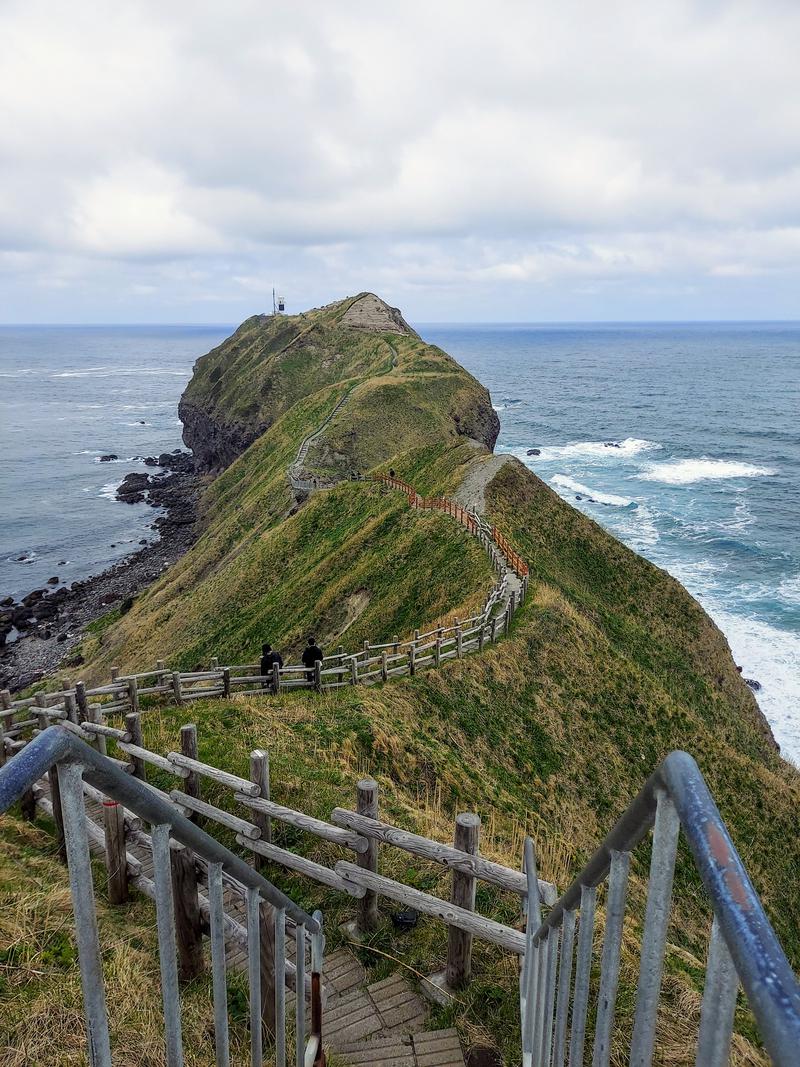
column 6, row 602
column 612, row 444
column 150, row 461
column 133, row 488
column 109, row 458
column 34, row 597
column 54, row 580
column 534, row 452
column 754, row 685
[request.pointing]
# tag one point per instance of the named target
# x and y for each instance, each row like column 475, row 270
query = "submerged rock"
column 534, row 452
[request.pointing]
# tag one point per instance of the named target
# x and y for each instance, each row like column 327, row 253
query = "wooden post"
column 226, row 682
column 176, row 687
column 459, row 642
column 114, row 674
column 437, row 652
column 340, row 654
column 384, row 668
column 116, row 861
column 70, row 705
column 412, row 660
column 416, row 636
column 494, row 629
column 81, row 701
column 133, row 694
column 267, row 946
column 317, row 675
column 512, row 602
column 507, row 620
column 161, row 668
column 276, row 679
column 186, row 906
column 396, row 640
column 96, row 715
column 481, row 634
column 259, row 773
column 353, row 671
column 367, row 804
column 214, row 663
column 133, row 724
column 191, row 785
column 459, row 942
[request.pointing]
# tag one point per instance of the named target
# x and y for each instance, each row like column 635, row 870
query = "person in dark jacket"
column 269, row 658
column 312, row 654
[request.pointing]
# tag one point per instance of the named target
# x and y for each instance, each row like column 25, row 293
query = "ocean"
column 681, row 440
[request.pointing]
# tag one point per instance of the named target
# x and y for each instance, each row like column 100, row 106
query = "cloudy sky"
column 532, row 160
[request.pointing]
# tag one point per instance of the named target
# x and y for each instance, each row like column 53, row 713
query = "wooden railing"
column 359, row 833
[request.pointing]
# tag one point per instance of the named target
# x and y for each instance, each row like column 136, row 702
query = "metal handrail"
column 57, row 745
column 69, row 764
column 743, row 947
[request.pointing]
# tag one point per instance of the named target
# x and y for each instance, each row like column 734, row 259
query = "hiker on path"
column 269, row 659
column 312, row 654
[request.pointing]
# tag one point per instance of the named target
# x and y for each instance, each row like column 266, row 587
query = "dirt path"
column 471, row 492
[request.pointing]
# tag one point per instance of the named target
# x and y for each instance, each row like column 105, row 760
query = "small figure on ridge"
column 312, row 654
column 269, row 658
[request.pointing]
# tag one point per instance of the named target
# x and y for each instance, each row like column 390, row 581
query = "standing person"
column 269, row 658
column 312, row 654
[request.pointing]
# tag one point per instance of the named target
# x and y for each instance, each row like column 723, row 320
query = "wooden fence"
column 359, row 833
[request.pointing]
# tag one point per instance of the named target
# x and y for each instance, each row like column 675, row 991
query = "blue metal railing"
column 743, row 946
column 57, row 749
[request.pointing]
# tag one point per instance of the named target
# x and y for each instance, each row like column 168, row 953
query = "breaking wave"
column 687, row 471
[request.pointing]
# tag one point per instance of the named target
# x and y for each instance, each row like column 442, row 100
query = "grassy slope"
column 610, row 665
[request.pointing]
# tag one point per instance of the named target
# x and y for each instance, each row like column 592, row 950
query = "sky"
column 545, row 160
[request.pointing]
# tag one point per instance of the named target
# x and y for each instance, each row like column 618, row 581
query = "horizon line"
column 431, row 322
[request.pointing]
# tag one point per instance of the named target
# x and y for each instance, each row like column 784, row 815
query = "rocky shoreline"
column 51, row 622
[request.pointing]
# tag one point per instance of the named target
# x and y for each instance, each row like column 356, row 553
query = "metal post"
column 80, row 880
column 582, row 972
column 165, row 922
column 659, row 895
column 254, row 975
column 300, row 994
column 220, row 988
column 719, row 1003
column 459, row 942
column 280, row 987
column 609, row 962
column 367, row 804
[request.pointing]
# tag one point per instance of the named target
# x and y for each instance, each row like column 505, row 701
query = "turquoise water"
column 703, row 483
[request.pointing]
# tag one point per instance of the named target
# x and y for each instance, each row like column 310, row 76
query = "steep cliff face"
column 241, row 388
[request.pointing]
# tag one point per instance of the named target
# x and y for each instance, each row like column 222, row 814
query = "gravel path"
column 471, row 492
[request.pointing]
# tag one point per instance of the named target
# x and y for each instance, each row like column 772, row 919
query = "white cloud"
column 533, row 154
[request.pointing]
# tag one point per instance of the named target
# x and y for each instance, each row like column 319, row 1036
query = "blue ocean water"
column 67, row 396
column 703, row 481
column 684, row 442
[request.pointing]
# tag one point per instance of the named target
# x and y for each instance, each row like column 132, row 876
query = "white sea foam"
column 789, row 589
column 564, row 482
column 772, row 657
column 109, row 491
column 625, row 449
column 120, row 459
column 686, row 471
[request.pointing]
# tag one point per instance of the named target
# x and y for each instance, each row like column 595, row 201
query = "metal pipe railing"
column 743, row 946
column 57, row 749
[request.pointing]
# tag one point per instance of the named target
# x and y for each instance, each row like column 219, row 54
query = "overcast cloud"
column 547, row 159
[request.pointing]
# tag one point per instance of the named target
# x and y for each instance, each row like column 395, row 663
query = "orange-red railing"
column 456, row 511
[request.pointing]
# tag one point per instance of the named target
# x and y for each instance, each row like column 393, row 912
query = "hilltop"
column 610, row 663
